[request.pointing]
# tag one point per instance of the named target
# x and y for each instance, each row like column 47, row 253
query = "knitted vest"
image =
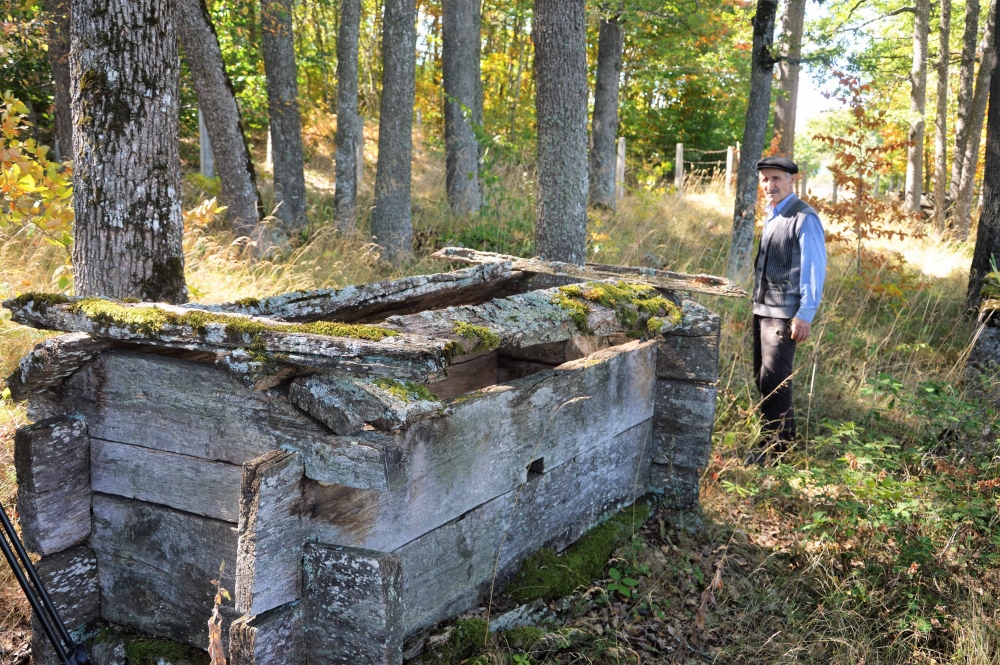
column 779, row 261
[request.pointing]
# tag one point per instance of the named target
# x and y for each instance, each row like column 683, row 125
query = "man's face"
column 777, row 184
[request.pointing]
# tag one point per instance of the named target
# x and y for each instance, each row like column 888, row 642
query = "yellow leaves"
column 204, row 214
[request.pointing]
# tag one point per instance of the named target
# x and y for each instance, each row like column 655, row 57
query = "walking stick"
column 69, row 651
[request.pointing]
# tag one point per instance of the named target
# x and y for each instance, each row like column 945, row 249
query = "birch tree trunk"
column 987, row 251
column 755, row 127
column 918, row 105
column 603, row 152
column 57, row 36
column 392, row 224
column 283, row 112
column 788, row 78
column 463, row 104
column 977, row 114
column 126, row 178
column 217, row 102
column 350, row 126
column 941, row 122
column 966, row 77
column 560, row 37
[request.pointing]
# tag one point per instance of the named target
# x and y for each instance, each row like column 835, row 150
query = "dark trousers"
column 773, row 356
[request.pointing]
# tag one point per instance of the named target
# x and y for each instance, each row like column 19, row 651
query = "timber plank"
column 482, row 448
column 156, row 565
column 682, row 426
column 451, row 568
column 688, row 358
column 196, row 485
column 273, row 638
column 678, row 484
column 51, row 361
column 52, row 461
column 663, row 279
column 70, row 578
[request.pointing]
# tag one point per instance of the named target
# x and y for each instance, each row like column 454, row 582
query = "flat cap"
column 780, row 163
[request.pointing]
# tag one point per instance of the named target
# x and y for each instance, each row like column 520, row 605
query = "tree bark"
column 966, row 76
column 57, row 36
column 560, row 36
column 755, row 127
column 788, row 78
column 603, row 152
column 987, row 251
column 463, row 103
column 126, row 178
column 977, row 114
column 350, row 126
column 918, row 105
column 941, row 123
column 391, row 219
column 278, row 49
column 217, row 102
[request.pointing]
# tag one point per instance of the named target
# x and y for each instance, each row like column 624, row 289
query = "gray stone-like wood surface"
column 481, row 449
column 663, row 279
column 697, row 320
column 678, row 484
column 366, row 302
column 156, row 566
column 52, row 461
column 449, row 569
column 273, row 638
column 70, row 578
column 192, row 484
column 688, row 358
column 353, row 606
column 51, row 361
column 682, row 425
column 269, row 550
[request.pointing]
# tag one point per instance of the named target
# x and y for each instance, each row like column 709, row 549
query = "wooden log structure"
column 360, row 483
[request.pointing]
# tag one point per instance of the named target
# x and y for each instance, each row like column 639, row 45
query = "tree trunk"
column 463, row 103
column 987, row 251
column 966, row 76
column 283, row 111
column 941, row 123
column 977, row 114
column 391, row 219
column 610, row 41
column 126, row 178
column 57, row 36
column 217, row 103
column 350, row 126
column 758, row 108
column 560, row 36
column 788, row 78
column 918, row 104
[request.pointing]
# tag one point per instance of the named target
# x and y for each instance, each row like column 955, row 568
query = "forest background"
column 876, row 539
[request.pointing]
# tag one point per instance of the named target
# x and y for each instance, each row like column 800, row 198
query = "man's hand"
column 800, row 330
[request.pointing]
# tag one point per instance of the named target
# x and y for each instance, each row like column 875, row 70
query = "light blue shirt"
column 812, row 245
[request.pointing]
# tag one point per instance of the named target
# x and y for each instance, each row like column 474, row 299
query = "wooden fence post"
column 620, row 170
column 730, row 157
column 679, row 168
column 206, row 157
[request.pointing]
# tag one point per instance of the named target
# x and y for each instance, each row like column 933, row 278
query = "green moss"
column 248, row 302
column 355, row 330
column 630, row 302
column 485, row 339
column 468, row 638
column 407, row 391
column 149, row 652
column 545, row 575
column 42, row 301
column 523, row 638
column 452, row 350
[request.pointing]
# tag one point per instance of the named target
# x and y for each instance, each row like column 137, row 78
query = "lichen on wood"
column 406, row 391
column 484, row 338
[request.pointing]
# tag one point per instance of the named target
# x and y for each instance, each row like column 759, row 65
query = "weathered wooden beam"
column 688, row 358
column 156, row 566
column 661, row 279
column 51, row 361
column 483, row 447
column 678, row 484
column 450, row 569
column 52, row 460
column 269, row 551
column 196, row 485
column 273, row 638
column 321, row 346
column 70, row 578
column 366, row 302
column 353, row 606
column 682, row 424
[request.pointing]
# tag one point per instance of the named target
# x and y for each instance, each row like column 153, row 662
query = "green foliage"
column 407, row 391
column 485, row 339
column 549, row 576
column 468, row 638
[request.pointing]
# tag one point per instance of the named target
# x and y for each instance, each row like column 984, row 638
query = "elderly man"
column 788, row 284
